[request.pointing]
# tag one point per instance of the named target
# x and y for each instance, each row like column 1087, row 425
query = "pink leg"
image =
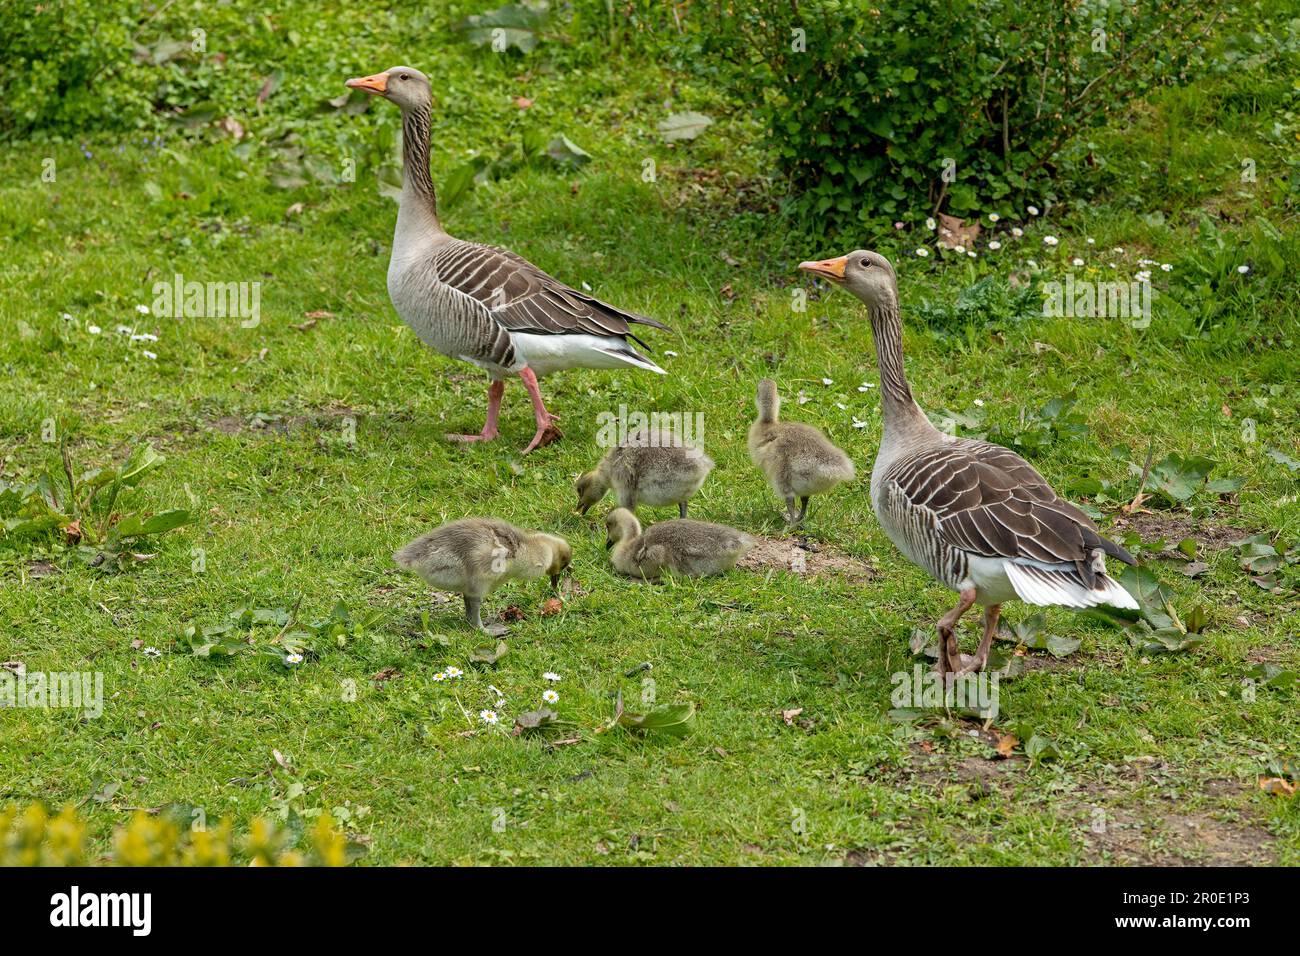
column 495, row 391
column 949, row 655
column 547, row 431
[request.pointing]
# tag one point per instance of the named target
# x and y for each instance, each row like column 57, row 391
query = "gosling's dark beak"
column 609, row 543
column 555, row 582
column 832, row 269
column 583, row 509
column 377, row 84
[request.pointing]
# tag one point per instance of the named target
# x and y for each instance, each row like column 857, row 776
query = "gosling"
column 798, row 460
column 680, row 546
column 654, row 467
column 474, row 556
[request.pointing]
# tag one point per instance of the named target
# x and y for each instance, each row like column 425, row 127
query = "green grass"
column 292, row 512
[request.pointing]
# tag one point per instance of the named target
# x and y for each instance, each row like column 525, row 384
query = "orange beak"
column 832, row 269
column 377, row 84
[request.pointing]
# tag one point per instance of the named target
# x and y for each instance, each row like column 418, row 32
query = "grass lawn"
column 310, row 448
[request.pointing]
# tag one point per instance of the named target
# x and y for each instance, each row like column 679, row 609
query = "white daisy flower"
column 929, row 224
column 440, row 676
column 454, row 672
column 863, row 387
column 1050, row 240
column 858, row 423
column 979, row 402
column 1144, row 275
column 1090, row 241
column 1243, row 269
column 898, row 225
column 1032, row 263
column 995, row 245
column 94, row 329
column 142, row 309
column 292, row 659
column 1033, row 210
column 144, row 337
column 828, row 381
column 994, row 217
column 922, row 252
column 551, row 676
column 147, row 354
column 841, row 406
column 1017, row 231
column 1118, row 250
column 488, row 716
column 123, row 330
column 1076, row 261
column 1166, row 267
column 152, row 652
column 550, row 696
column 670, row 352
column 971, row 254
column 959, row 249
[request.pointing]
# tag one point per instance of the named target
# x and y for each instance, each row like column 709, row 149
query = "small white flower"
column 828, row 381
column 454, row 672
column 994, row 217
column 670, row 352
column 1050, row 240
column 971, row 254
column 551, row 676
column 1111, row 264
column 1118, row 250
column 898, row 225
column 959, row 249
column 1166, row 267
column 841, row 406
column 1076, row 261
column 1146, row 262
column 488, row 716
column 979, row 402
column 292, row 659
column 1091, row 241
column 144, row 337
column 1243, row 269
column 929, row 224
column 440, row 676
column 142, row 309
column 995, row 245
column 152, row 652
column 1144, row 275
column 858, row 423
column 123, row 330
column 1033, row 210
column 550, row 696
column 922, row 252
column 1032, row 263
column 863, row 387
column 147, row 354
column 94, row 329
column 1017, row 231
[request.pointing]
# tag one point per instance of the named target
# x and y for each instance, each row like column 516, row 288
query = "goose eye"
column 404, row 76
column 866, row 263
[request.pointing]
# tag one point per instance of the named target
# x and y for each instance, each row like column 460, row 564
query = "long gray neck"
column 419, row 206
column 903, row 418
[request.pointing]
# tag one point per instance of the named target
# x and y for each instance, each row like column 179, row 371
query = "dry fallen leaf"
column 388, row 673
column 955, row 232
column 282, row 760
column 1277, row 786
column 318, row 314
column 306, row 326
column 789, row 715
column 551, row 606
column 512, row 613
column 1007, row 744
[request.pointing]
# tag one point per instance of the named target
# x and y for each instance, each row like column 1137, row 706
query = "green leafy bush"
column 883, row 112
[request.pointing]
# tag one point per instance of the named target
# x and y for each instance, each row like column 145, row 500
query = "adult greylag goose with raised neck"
column 976, row 516
column 485, row 305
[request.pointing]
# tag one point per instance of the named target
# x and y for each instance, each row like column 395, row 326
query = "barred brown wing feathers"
column 523, row 298
column 989, row 501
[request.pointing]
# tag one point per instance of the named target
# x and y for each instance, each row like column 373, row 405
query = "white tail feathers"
column 1059, row 586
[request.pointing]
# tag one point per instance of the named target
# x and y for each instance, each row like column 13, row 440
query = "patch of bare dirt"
column 271, row 424
column 803, row 556
column 1154, row 525
column 1133, row 838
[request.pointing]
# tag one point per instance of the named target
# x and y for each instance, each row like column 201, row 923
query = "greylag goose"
column 679, row 546
column 485, row 305
column 976, row 516
column 474, row 556
column 652, row 466
column 798, row 460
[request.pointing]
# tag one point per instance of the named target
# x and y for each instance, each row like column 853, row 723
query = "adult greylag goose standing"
column 976, row 516
column 485, row 305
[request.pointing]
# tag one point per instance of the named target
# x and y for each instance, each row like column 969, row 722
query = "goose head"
column 866, row 274
column 561, row 555
column 620, row 524
column 591, row 488
column 403, row 85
